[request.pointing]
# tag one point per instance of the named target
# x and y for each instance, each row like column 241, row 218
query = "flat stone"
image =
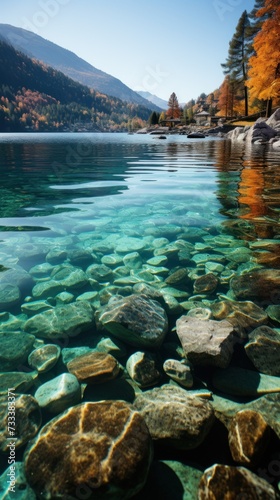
column 9, row 296
column 159, row 260
column 174, row 418
column 248, row 437
column 64, row 298
column 94, row 367
column 69, row 320
column 142, row 368
column 258, row 285
column 133, row 260
column 56, row 255
column 80, row 257
column 41, row 271
column 46, row 289
column 273, row 312
column 203, row 313
column 106, row 446
column 242, row 382
column 59, row 393
column 263, row 349
column 206, row 284
column 27, row 419
column 129, row 244
column 136, row 320
column 70, row 277
column 206, row 342
column 36, row 307
column 241, row 314
column 99, row 272
column 19, row 381
column 44, row 358
column 179, row 277
column 232, row 483
column 21, row 490
column 112, row 260
column 179, row 371
column 15, row 348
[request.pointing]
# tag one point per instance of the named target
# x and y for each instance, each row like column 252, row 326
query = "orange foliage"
column 264, row 72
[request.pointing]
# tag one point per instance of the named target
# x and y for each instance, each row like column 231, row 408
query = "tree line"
column 252, row 70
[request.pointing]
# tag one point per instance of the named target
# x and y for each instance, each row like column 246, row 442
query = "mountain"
column 70, row 64
column 36, row 97
column 153, row 99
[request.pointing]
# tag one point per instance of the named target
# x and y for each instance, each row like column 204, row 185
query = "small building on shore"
column 170, row 122
column 202, row 118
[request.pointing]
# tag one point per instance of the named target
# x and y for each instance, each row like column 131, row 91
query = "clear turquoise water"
column 97, row 192
column 68, row 190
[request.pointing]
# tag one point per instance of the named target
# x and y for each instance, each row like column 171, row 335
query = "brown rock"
column 206, row 283
column 27, row 419
column 206, row 342
column 241, row 315
column 259, row 285
column 248, row 437
column 94, row 367
column 175, row 418
column 233, row 483
column 263, row 349
column 102, row 449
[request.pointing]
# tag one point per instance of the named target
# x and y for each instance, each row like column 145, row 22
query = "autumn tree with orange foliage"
column 264, row 71
column 174, row 110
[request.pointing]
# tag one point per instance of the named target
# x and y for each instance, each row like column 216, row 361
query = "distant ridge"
column 153, row 99
column 70, row 64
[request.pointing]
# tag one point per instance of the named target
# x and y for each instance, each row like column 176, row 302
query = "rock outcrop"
column 262, row 131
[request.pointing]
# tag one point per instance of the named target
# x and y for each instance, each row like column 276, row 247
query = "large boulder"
column 69, row 320
column 261, row 285
column 175, row 418
column 136, row 319
column 99, row 450
column 206, row 342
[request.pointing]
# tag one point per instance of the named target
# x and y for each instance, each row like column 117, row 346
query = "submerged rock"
column 15, row 348
column 259, row 285
column 263, row 349
column 180, row 371
column 142, row 368
column 44, row 358
column 206, row 342
column 248, row 437
column 94, row 367
column 136, row 319
column 59, row 393
column 174, row 418
column 103, row 449
column 225, row 481
column 27, row 420
column 69, row 320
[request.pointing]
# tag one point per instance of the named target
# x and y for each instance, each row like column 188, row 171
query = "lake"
column 91, row 218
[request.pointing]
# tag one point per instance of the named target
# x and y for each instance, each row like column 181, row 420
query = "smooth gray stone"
column 46, row 289
column 36, row 307
column 59, row 393
column 142, row 368
column 44, row 358
column 9, row 296
column 19, row 381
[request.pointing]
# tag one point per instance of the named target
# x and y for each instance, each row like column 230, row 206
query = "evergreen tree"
column 154, row 118
column 238, row 55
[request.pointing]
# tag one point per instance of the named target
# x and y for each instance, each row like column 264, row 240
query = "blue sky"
column 161, row 46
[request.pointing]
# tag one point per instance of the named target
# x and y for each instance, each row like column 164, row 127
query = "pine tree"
column 238, row 54
column 264, row 71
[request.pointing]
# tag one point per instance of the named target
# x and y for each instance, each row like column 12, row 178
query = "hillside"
column 37, row 97
column 70, row 64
